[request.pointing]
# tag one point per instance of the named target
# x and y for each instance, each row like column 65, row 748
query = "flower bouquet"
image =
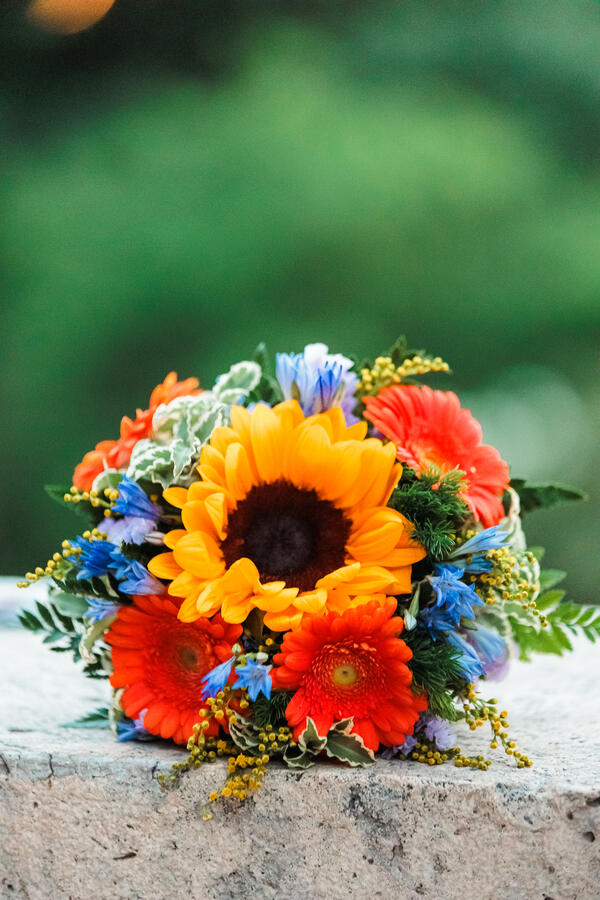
column 319, row 559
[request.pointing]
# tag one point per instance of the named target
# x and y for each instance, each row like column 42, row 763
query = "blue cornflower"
column 255, row 677
column 95, row 558
column 491, row 650
column 138, row 580
column 130, row 530
column 100, row 609
column 454, row 599
column 477, row 547
column 119, row 563
column 471, row 666
column 216, row 679
column 133, row 729
column 438, row 730
column 133, row 501
column 319, row 380
column 140, row 515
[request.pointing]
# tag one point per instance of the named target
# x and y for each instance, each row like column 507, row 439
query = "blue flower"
column 255, row 677
column 138, row 580
column 438, row 730
column 120, row 564
column 471, row 666
column 95, row 558
column 491, row 650
column 318, row 380
column 100, row 609
column 477, row 547
column 133, row 729
column 133, row 501
column 454, row 599
column 130, row 530
column 216, row 679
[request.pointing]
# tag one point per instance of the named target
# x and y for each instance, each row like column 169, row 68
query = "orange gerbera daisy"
column 161, row 662
column 351, row 665
column 289, row 516
column 116, row 454
column 430, row 428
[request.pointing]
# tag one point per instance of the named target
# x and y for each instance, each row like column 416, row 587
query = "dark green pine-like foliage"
column 431, row 501
column 436, row 669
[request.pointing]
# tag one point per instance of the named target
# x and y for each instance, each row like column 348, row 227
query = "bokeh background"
column 190, row 177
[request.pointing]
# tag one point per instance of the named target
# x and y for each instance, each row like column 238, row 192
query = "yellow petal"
column 172, row 537
column 238, row 472
column 267, row 443
column 311, row 602
column 164, row 566
column 199, row 554
column 176, row 496
column 283, row 621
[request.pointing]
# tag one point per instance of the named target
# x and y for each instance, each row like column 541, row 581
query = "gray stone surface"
column 83, row 816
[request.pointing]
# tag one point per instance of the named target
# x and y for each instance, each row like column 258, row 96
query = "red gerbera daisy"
column 161, row 661
column 116, row 454
column 350, row 665
column 429, row 427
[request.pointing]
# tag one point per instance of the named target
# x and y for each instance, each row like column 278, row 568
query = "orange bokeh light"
column 68, row 16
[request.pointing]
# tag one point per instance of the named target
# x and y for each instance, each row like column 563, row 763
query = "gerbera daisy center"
column 287, row 532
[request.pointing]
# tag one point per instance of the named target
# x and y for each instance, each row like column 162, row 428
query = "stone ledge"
column 82, row 815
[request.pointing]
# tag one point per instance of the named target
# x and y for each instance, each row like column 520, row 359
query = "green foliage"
column 268, row 389
column 271, row 711
column 538, row 496
column 338, row 744
column 436, row 670
column 82, row 508
column 96, row 719
column 347, row 747
column 564, row 620
column 63, row 632
column 431, row 501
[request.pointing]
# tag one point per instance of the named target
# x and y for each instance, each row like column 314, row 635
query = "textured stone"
column 83, row 816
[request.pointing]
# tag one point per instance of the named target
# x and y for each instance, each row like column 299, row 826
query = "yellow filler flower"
column 289, row 517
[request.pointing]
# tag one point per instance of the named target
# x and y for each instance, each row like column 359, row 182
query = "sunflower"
column 116, row 454
column 351, row 665
column 430, row 428
column 289, row 517
column 161, row 662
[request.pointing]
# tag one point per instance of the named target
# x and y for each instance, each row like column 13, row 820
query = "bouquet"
column 319, row 559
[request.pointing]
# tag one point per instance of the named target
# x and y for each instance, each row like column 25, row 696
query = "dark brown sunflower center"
column 290, row 534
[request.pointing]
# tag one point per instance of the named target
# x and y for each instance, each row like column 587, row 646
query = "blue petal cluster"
column 491, row 649
column 318, row 380
column 454, row 599
column 138, row 580
column 133, row 729
column 476, row 548
column 216, row 679
column 133, row 501
column 255, row 677
column 140, row 515
column 100, row 558
column 100, row 609
column 471, row 666
column 95, row 558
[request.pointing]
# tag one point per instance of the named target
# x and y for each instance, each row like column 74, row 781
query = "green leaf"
column 71, row 605
column 236, row 384
column 310, row 741
column 83, row 508
column 537, row 496
column 347, row 747
column 96, row 719
column 550, row 577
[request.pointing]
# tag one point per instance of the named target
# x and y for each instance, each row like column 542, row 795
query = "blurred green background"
column 192, row 176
